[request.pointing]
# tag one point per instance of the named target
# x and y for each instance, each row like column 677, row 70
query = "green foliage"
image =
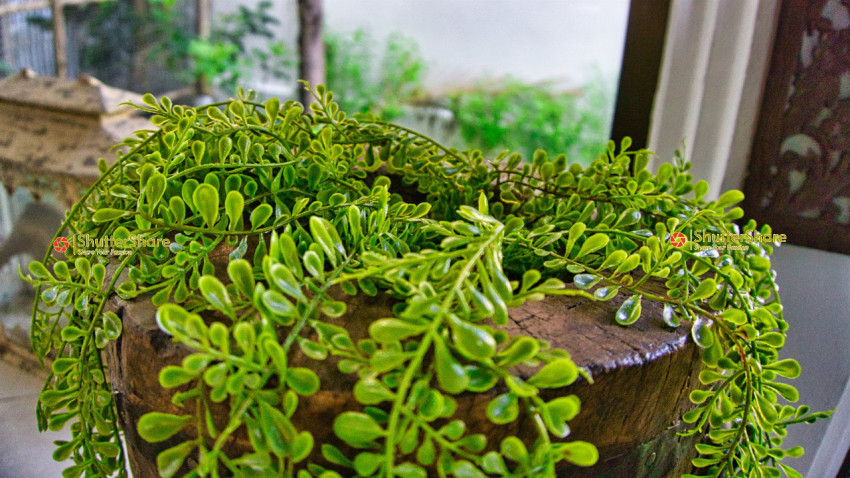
column 525, row 117
column 317, row 194
column 364, row 85
column 225, row 56
column 5, row 69
column 162, row 33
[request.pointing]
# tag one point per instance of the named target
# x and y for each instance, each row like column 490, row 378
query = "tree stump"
column 642, row 377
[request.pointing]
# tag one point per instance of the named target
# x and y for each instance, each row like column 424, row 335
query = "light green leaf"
column 728, row 198
column 233, row 205
column 503, row 409
column 592, row 244
column 788, row 368
column 357, row 427
column 586, row 281
column 522, row 349
column 303, row 380
column 390, row 330
column 205, row 200
column 578, row 453
column 606, row 293
column 451, row 375
column 519, row 387
column 260, row 215
column 705, row 289
column 279, row 305
column 155, row 427
column 326, row 235
column 366, row 463
column 154, row 189
column 242, row 275
column 465, row 469
column 735, row 316
column 701, row 332
column 669, row 316
column 473, row 341
column 370, row 391
column 216, row 294
column 576, row 231
column 169, row 461
column 555, row 374
column 108, row 214
column 173, row 376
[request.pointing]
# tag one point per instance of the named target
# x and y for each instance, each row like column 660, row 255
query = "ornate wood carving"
column 799, row 174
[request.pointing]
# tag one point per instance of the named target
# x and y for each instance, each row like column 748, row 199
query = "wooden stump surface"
column 642, row 376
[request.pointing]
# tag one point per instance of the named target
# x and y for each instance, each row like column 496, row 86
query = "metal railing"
column 45, row 47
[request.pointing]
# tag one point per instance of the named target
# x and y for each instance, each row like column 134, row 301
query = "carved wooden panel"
column 799, row 173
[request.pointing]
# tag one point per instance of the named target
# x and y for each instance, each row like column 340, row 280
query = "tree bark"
column 202, row 25
column 311, row 47
column 60, row 39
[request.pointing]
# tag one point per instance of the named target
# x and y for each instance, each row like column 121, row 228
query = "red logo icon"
column 678, row 239
column 60, row 244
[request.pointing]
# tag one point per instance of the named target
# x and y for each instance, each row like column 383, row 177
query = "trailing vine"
column 310, row 203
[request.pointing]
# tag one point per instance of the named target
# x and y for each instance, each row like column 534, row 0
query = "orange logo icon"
column 60, row 244
column 678, row 239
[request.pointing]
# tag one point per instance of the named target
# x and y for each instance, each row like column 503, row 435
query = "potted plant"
column 246, row 225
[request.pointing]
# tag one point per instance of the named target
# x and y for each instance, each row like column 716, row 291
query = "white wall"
column 815, row 290
column 534, row 40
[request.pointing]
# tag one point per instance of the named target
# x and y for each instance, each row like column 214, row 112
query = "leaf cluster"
column 523, row 117
column 308, row 203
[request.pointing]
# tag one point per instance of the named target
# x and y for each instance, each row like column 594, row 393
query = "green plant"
column 315, row 191
column 160, row 32
column 5, row 69
column 525, row 117
column 225, row 56
column 363, row 85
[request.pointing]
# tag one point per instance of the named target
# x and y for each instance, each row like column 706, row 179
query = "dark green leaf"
column 629, row 312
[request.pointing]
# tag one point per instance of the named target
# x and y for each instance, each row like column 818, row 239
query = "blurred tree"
column 311, row 47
